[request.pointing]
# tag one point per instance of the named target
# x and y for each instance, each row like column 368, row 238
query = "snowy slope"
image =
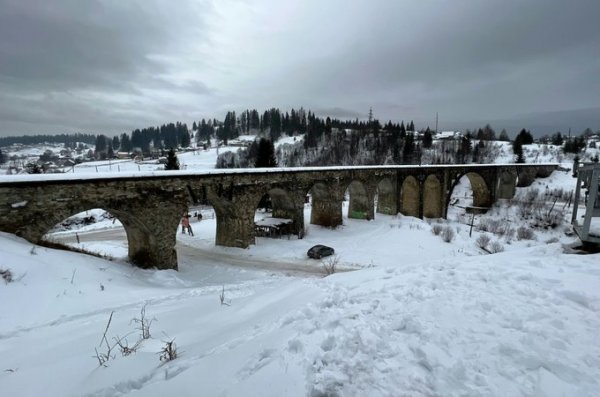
column 522, row 323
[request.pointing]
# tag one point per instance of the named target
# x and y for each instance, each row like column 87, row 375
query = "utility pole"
column 436, row 123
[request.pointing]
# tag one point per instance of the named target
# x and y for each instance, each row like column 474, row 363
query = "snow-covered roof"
column 448, row 134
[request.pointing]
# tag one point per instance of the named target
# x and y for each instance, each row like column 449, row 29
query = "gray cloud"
column 339, row 113
column 129, row 64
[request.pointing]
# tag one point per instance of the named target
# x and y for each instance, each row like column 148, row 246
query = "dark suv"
column 319, row 251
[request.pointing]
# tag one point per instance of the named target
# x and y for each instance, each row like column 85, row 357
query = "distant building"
column 448, row 135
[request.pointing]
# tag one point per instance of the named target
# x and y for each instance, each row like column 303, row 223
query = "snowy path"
column 191, row 254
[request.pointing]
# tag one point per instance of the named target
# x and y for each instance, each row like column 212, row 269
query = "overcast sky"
column 108, row 66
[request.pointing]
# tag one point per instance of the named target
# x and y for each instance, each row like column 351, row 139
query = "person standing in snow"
column 185, row 224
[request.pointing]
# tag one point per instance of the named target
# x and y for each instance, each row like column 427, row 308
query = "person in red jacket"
column 185, row 224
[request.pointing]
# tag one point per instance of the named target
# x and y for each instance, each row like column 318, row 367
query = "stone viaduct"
column 150, row 205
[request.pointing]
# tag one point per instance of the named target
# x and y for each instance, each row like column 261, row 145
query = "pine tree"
column 427, row 139
column 524, row 137
column 518, row 151
column 172, row 161
column 504, row 136
column 2, row 157
column 557, row 139
column 125, row 143
column 265, row 155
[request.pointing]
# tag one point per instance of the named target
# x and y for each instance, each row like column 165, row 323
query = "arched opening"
column 386, row 197
column 410, row 197
column 432, row 197
column 202, row 217
column 96, row 231
column 359, row 205
column 276, row 215
column 325, row 206
column 507, row 183
column 469, row 193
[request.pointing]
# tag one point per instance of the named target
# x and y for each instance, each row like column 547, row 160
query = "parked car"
column 319, row 251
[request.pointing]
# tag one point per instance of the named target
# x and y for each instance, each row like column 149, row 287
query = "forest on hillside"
column 317, row 141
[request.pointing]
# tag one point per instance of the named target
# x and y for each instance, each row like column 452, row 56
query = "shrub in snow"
column 509, row 234
column 169, row 351
column 482, row 241
column 496, row 247
column 437, row 228
column 531, row 195
column 524, row 233
column 143, row 323
column 484, row 225
column 330, row 264
column 495, row 226
column 447, row 234
column 105, row 354
column 222, row 298
column 415, row 226
column 6, row 275
column 126, row 350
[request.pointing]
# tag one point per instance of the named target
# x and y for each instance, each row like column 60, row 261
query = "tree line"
column 326, row 141
column 69, row 140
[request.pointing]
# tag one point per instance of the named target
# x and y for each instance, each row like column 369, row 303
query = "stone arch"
column 526, row 176
column 386, row 197
column 482, row 196
column 410, row 196
column 359, row 207
column 287, row 205
column 138, row 233
column 544, row 171
column 432, row 197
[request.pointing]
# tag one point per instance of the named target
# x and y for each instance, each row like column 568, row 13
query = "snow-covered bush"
column 447, row 234
column 437, row 228
column 330, row 264
column 524, row 233
column 228, row 160
column 484, row 225
column 509, row 234
column 6, row 275
column 482, row 241
column 495, row 226
column 496, row 247
column 416, row 226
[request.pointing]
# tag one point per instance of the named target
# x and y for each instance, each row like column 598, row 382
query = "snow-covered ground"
column 416, row 317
